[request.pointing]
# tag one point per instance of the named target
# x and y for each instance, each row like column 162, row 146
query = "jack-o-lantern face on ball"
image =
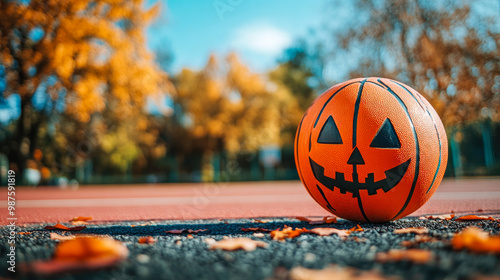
column 371, row 150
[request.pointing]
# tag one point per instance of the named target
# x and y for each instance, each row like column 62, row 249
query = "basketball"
column 371, row 150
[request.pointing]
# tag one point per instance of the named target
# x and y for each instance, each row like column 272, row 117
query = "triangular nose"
column 356, row 157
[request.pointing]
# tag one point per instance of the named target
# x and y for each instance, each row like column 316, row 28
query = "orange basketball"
column 371, row 150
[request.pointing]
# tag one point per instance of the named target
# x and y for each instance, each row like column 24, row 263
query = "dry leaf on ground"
column 356, row 228
column 256, row 229
column 287, row 232
column 59, row 237
column 62, row 227
column 474, row 218
column 324, row 220
column 420, row 230
column 476, row 240
column 263, row 221
column 232, row 244
column 440, row 217
column 83, row 253
column 146, row 240
column 210, row 241
column 81, row 219
column 413, row 255
column 329, row 231
column 180, row 231
column 333, row 272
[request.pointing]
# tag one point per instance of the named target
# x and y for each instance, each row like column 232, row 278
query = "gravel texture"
column 179, row 257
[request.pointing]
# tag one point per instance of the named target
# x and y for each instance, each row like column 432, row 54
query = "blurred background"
column 136, row 91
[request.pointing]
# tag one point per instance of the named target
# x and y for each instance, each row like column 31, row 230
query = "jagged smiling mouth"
column 392, row 177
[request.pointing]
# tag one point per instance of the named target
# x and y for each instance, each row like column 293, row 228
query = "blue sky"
column 258, row 30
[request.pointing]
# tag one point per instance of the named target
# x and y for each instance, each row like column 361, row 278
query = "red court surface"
column 218, row 201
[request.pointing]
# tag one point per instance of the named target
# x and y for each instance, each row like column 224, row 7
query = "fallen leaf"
column 82, row 253
column 414, row 255
column 420, row 230
column 210, row 241
column 233, row 244
column 440, row 217
column 287, row 232
column 324, row 220
column 59, row 237
column 264, row 221
column 474, row 218
column 356, row 228
column 78, row 223
column 24, row 232
column 147, row 240
column 329, row 231
column 303, row 219
column 333, row 272
column 190, row 236
column 62, row 227
column 180, row 231
column 256, row 229
column 476, row 240
column 81, row 219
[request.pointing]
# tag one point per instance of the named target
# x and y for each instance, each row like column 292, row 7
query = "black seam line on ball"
column 373, row 83
column 356, row 111
column 417, row 161
column 354, row 132
column 326, row 200
column 330, row 98
column 299, row 170
column 437, row 133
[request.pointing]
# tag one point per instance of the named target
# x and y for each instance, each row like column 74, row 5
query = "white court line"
column 195, row 200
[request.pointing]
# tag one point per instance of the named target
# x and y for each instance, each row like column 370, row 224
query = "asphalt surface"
column 220, row 200
column 181, row 257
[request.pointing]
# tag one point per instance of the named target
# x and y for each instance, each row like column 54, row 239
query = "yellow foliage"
column 234, row 105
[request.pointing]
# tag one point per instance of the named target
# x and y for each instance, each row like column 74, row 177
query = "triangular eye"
column 329, row 133
column 386, row 137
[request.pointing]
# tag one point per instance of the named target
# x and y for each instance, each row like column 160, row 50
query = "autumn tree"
column 447, row 50
column 227, row 107
column 85, row 59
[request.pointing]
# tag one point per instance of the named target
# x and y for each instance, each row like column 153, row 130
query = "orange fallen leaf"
column 303, row 219
column 147, row 240
column 287, row 232
column 440, row 217
column 24, row 232
column 474, row 218
column 334, row 272
column 62, row 227
column 180, row 231
column 59, row 237
column 78, row 223
column 476, row 240
column 356, row 228
column 414, row 255
column 263, row 221
column 324, row 220
column 83, row 253
column 81, row 219
column 329, row 231
column 256, row 229
column 420, row 230
column 232, row 244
